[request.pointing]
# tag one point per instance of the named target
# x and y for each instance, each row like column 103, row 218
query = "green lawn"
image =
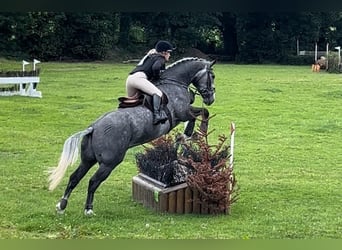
column 288, row 160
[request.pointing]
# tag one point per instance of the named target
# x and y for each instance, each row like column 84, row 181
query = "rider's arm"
column 157, row 67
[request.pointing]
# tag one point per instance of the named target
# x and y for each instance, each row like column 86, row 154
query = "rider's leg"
column 138, row 81
column 132, row 84
column 159, row 115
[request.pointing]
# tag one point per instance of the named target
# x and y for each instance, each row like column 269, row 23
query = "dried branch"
column 212, row 177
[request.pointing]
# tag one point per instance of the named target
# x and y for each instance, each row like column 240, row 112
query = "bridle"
column 207, row 91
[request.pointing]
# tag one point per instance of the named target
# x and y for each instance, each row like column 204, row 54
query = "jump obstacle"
column 179, row 199
column 23, row 83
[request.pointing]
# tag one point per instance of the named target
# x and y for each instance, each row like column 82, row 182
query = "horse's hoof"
column 59, row 210
column 196, row 135
column 89, row 212
column 61, row 205
column 186, row 138
column 182, row 138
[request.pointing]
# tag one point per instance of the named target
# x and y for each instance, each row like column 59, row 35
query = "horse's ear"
column 212, row 63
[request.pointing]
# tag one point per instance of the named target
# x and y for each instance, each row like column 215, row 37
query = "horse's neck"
column 183, row 73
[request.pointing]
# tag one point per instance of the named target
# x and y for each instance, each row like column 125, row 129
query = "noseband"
column 207, row 91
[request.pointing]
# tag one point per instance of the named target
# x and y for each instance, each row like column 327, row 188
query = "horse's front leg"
column 194, row 112
column 189, row 128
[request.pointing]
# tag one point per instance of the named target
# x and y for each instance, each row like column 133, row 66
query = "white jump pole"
column 231, row 158
column 232, row 140
column 339, row 54
column 25, row 63
column 22, row 86
column 297, row 47
column 35, row 61
column 327, row 57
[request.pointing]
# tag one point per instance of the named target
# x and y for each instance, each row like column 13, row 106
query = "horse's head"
column 193, row 70
column 204, row 83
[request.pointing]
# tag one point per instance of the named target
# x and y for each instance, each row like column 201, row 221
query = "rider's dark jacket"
column 152, row 66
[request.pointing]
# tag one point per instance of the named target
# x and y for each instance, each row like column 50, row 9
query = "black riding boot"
column 159, row 115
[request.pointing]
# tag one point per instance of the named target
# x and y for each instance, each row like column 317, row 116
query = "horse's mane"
column 185, row 59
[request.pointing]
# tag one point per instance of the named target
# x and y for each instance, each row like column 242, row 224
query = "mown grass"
column 287, row 156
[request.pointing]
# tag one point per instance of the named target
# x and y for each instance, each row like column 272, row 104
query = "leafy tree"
column 229, row 34
column 125, row 26
column 44, row 35
column 184, row 29
column 12, row 30
column 88, row 35
column 254, row 37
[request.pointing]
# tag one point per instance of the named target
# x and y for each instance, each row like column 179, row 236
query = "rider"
column 147, row 70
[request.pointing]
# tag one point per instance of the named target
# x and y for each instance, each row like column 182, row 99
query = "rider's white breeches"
column 138, row 81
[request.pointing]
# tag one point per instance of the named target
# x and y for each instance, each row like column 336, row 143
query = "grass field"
column 288, row 160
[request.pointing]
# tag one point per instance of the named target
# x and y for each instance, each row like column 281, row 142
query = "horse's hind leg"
column 87, row 161
column 74, row 179
column 106, row 167
column 100, row 175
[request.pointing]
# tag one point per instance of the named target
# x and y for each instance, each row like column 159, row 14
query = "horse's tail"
column 68, row 157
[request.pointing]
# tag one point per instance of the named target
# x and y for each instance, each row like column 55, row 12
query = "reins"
column 194, row 90
column 164, row 81
column 202, row 91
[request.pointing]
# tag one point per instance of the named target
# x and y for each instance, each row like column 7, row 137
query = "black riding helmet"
column 162, row 46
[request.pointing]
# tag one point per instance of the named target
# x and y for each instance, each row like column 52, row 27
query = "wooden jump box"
column 179, row 199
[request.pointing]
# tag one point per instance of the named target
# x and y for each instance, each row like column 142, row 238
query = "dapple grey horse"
column 107, row 140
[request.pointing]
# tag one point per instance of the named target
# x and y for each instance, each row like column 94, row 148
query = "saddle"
column 129, row 102
column 145, row 100
column 141, row 99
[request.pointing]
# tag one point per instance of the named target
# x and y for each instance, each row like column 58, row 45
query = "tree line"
column 255, row 37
